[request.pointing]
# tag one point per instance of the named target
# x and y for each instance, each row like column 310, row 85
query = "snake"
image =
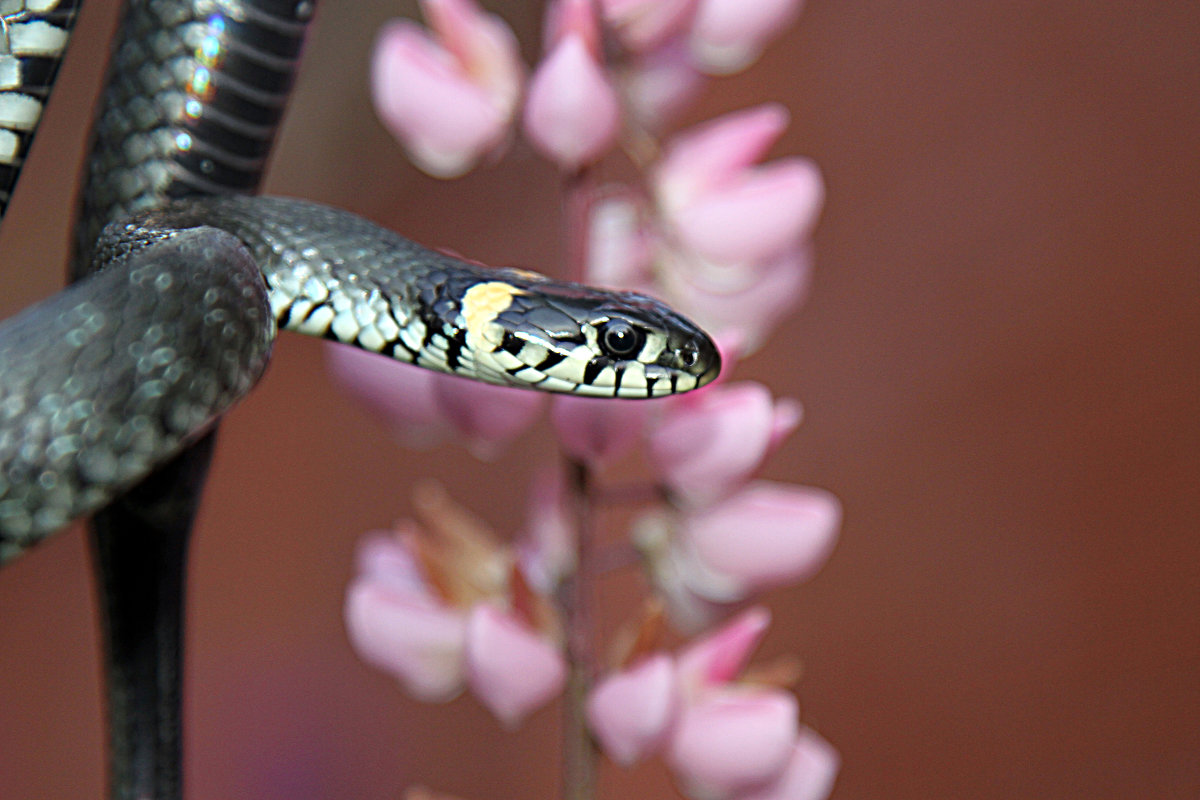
column 111, row 390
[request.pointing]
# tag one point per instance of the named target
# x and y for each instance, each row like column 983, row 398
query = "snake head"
column 565, row 337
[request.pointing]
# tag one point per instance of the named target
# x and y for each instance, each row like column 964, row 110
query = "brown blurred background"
column 999, row 367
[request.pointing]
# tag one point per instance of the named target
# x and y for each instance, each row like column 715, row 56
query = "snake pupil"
column 620, row 339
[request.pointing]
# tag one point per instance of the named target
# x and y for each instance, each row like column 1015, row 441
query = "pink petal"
column 630, row 711
column 488, row 416
column 733, row 741
column 482, row 44
column 571, row 114
column 809, row 774
column 767, row 534
column 548, row 547
column 689, row 610
column 661, row 84
column 712, row 441
column 785, row 420
column 720, row 656
column 401, row 395
column 596, row 430
column 417, row 641
column 577, row 17
column 510, row 668
column 644, row 24
column 713, row 153
column 387, row 562
column 447, row 121
column 422, row 406
column 619, row 246
column 756, row 217
column 728, row 35
column 744, row 303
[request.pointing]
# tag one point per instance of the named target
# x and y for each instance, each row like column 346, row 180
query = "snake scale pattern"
column 111, row 390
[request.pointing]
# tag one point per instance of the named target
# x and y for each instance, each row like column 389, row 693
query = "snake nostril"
column 690, row 354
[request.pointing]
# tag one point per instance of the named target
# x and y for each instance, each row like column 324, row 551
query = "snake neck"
column 195, row 94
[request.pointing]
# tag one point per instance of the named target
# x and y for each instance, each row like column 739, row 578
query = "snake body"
column 110, row 391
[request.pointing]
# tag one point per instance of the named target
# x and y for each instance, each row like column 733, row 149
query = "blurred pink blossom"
column 422, row 407
column 661, row 83
column 449, row 99
column 547, row 547
column 644, row 24
column 723, row 208
column 510, row 668
column 712, row 558
column 731, row 741
column 431, row 606
column 744, row 301
column 398, row 624
column 572, row 113
column 713, row 440
column 734, row 249
column 620, row 243
column 765, row 535
column 630, row 711
column 809, row 774
column 596, row 431
column 701, row 159
column 720, row 656
column 721, row 736
column 728, row 35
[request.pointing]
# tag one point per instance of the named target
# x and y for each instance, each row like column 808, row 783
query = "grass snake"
column 111, row 390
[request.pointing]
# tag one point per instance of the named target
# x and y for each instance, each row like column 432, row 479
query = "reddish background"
column 999, row 368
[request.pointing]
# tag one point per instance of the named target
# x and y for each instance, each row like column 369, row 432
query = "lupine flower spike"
column 720, row 230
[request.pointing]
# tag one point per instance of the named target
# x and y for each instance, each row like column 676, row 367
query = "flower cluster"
column 723, row 736
column 439, row 605
column 723, row 237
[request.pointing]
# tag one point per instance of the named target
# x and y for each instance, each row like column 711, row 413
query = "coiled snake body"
column 110, row 391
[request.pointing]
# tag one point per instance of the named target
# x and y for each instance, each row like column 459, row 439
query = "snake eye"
column 620, row 340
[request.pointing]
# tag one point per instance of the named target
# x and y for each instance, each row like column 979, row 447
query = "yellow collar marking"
column 482, row 303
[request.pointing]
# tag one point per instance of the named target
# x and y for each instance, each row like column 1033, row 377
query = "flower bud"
column 450, row 99
column 571, row 113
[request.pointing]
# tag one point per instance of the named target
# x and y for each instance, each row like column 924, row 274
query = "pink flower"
column 746, row 301
column 572, row 113
column 725, row 210
column 449, row 100
column 730, row 737
column 398, row 624
column 631, row 711
column 422, row 406
column 728, row 35
column 644, row 24
column 732, row 741
column 711, row 441
column 710, row 559
column 437, row 606
column 809, row 774
column 620, row 246
column 765, row 535
column 718, row 658
column 547, row 547
column 510, row 668
column 597, row 431
column 661, row 83
column 721, row 737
